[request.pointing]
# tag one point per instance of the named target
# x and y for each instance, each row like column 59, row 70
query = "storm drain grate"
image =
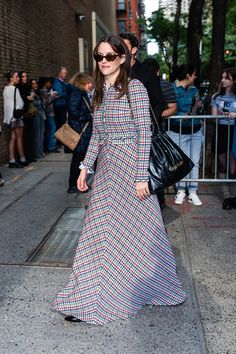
column 59, row 246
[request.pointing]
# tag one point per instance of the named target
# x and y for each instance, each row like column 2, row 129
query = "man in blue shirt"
column 60, row 86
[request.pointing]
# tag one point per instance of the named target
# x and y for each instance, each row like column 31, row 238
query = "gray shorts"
column 18, row 123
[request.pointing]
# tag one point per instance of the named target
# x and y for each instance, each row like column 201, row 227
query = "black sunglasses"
column 108, row 57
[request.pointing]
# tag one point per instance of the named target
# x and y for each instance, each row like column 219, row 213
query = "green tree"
column 230, row 35
column 176, row 32
column 217, row 41
column 195, row 33
column 163, row 30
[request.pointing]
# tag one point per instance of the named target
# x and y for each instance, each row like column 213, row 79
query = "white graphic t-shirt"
column 224, row 104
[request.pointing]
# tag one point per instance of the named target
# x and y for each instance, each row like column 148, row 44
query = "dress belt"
column 117, row 138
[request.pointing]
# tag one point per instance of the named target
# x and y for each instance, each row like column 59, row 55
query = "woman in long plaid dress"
column 124, row 259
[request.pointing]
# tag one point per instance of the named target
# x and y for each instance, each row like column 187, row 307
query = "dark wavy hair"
column 231, row 75
column 181, row 72
column 20, row 73
column 9, row 75
column 121, row 83
column 131, row 38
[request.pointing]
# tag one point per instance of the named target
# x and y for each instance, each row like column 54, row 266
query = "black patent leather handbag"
column 168, row 163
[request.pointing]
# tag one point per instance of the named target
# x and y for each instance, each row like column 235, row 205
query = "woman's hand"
column 232, row 115
column 142, row 190
column 81, row 181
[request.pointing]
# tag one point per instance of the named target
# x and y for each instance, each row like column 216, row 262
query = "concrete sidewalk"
column 33, row 202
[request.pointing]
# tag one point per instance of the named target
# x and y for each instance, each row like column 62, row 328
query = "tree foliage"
column 162, row 30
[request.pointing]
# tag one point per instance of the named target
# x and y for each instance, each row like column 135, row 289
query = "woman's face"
column 109, row 69
column 87, row 87
column 48, row 84
column 15, row 79
column 34, row 85
column 227, row 81
column 24, row 78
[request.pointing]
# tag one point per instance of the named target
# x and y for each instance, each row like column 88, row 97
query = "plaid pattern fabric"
column 124, row 259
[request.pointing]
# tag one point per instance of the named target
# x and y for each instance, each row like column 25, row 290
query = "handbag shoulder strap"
column 87, row 104
column 150, row 107
column 89, row 108
column 84, row 128
column 15, row 98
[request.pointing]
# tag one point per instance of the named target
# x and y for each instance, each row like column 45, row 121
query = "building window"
column 121, row 5
column 121, row 26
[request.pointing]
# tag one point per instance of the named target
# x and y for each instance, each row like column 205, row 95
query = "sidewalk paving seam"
column 195, row 298
column 24, row 194
column 20, row 265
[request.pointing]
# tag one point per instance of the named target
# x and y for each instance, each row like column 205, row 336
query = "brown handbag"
column 68, row 136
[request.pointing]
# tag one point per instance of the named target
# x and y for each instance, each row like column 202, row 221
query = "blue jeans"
column 50, row 128
column 191, row 144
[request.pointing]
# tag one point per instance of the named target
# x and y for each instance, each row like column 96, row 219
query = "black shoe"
column 71, row 190
column 31, row 159
column 1, row 181
column 72, row 319
column 233, row 202
column 25, row 163
column 227, row 204
column 15, row 165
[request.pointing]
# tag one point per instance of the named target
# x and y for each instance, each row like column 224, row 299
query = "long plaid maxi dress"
column 124, row 259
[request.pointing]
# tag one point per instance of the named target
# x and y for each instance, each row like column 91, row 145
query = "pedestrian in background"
column 224, row 104
column 24, row 89
column 185, row 132
column 60, row 86
column 79, row 115
column 38, row 121
column 170, row 108
column 16, row 125
column 48, row 96
column 124, row 259
column 151, row 81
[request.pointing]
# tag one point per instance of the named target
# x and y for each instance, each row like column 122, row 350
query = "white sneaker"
column 179, row 198
column 1, row 182
column 194, row 199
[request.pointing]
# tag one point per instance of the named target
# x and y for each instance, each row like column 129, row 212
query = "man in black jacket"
column 146, row 75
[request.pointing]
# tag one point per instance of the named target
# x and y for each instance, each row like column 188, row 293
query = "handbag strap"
column 84, row 128
column 87, row 104
column 150, row 107
column 89, row 108
column 15, row 98
column 154, row 116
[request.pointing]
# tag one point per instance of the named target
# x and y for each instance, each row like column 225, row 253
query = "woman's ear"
column 122, row 59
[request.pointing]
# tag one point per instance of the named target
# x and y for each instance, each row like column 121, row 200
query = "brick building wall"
column 41, row 35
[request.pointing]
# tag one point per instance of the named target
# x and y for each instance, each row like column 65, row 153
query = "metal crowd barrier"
column 208, row 164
